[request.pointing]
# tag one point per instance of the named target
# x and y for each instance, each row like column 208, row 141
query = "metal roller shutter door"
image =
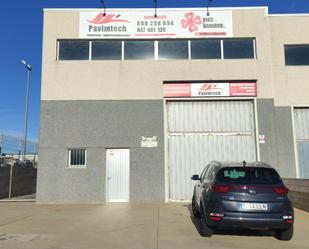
column 202, row 131
column 301, row 117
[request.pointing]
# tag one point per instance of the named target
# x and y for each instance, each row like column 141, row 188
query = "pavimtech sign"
column 210, row 89
column 168, row 24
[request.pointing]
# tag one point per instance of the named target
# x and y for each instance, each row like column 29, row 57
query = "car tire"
column 195, row 210
column 204, row 229
column 285, row 235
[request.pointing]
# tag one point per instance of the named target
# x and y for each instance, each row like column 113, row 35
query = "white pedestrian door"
column 117, row 175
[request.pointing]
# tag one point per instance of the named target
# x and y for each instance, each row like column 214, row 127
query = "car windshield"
column 248, row 175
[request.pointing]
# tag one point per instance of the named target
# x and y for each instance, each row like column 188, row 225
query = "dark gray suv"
column 241, row 195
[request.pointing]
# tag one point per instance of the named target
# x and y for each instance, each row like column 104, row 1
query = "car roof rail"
column 216, row 163
column 261, row 164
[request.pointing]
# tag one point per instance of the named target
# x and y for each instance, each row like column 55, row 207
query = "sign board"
column 143, row 25
column 262, row 139
column 149, row 142
column 224, row 89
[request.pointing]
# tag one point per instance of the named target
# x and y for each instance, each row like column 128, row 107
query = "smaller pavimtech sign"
column 143, row 25
column 224, row 89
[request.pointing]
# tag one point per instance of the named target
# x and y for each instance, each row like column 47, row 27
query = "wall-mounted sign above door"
column 210, row 89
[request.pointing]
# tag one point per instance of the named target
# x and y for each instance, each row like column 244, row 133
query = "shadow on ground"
column 231, row 231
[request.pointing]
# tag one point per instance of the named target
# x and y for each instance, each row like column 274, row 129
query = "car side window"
column 205, row 177
column 204, row 172
column 209, row 174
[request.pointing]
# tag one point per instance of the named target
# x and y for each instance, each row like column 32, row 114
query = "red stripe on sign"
column 155, row 34
column 243, row 89
column 177, row 90
column 211, row 33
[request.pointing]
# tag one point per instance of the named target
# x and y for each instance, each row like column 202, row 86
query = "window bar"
column 69, row 163
column 156, row 50
column 122, row 50
column 57, row 52
column 78, row 158
column 90, row 50
column 254, row 48
column 189, row 49
column 81, row 156
column 75, row 157
column 222, row 50
column 72, row 157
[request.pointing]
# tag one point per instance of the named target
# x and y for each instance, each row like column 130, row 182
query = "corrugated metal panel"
column 303, row 155
column 301, row 117
column 200, row 132
column 217, row 116
column 117, row 175
column 301, row 123
column 188, row 155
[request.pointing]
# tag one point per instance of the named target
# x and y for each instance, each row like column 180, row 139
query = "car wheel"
column 285, row 234
column 204, row 230
column 195, row 211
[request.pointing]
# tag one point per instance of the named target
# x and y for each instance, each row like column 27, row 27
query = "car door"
column 206, row 181
column 199, row 185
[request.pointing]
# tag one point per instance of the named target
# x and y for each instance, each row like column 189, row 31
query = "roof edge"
column 147, row 9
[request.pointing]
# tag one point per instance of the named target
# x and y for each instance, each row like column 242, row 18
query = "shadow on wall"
column 22, row 179
column 299, row 192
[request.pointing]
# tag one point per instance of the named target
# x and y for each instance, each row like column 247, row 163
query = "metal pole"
column 10, row 184
column 26, row 115
column 1, row 139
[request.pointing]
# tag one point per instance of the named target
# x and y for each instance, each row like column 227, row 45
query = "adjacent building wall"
column 291, row 83
column 299, row 192
column 285, row 142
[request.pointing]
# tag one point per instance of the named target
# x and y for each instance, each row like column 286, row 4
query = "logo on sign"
column 191, row 22
column 101, row 19
column 209, row 87
column 209, row 90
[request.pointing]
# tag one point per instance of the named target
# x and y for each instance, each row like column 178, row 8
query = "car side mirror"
column 195, row 178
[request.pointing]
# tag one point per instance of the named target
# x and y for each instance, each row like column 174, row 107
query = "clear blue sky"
column 21, row 38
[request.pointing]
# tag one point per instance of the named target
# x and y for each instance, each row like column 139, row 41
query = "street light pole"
column 29, row 69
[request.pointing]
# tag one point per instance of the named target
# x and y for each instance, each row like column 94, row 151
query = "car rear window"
column 248, row 175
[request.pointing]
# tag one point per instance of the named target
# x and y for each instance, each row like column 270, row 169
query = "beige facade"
column 96, row 105
column 117, row 80
column 290, row 82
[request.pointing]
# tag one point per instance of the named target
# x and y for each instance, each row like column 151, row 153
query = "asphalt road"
column 127, row 226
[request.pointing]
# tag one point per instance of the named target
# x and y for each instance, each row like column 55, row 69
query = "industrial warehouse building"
column 132, row 105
